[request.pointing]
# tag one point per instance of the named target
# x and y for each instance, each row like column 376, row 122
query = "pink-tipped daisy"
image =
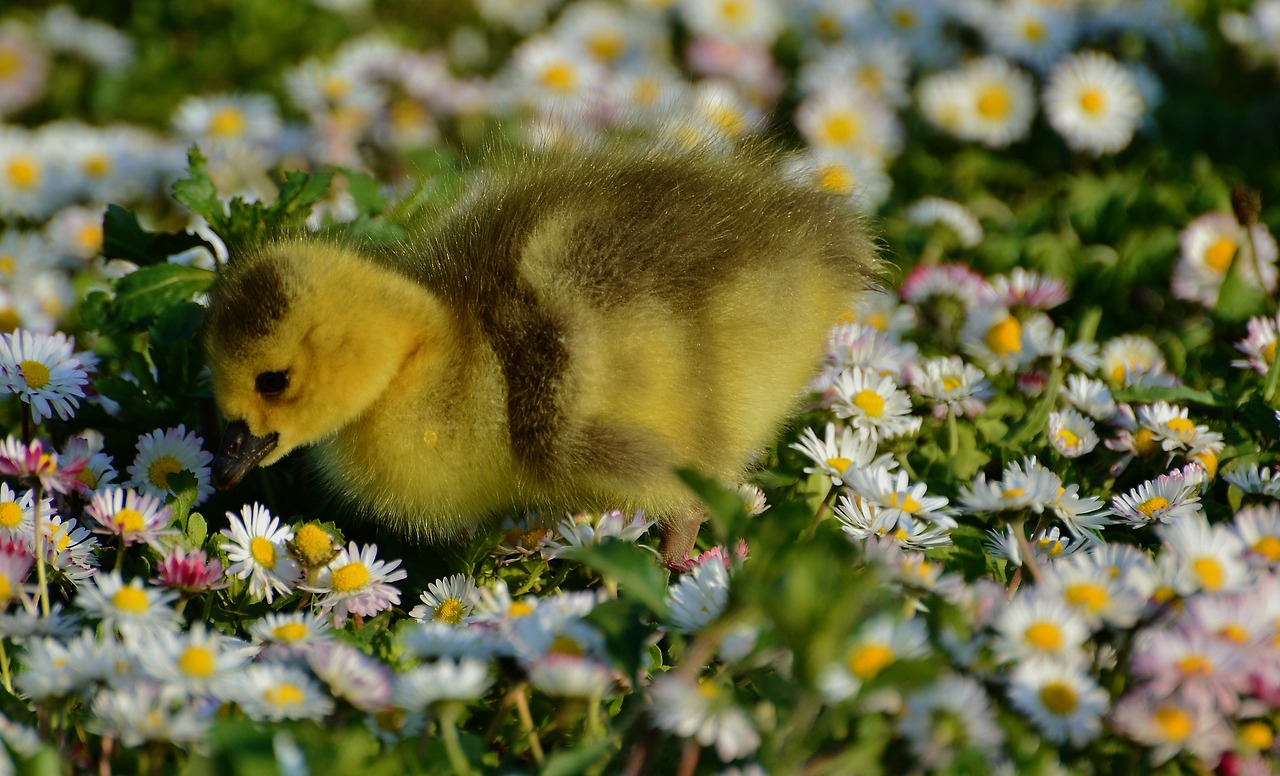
column 132, row 516
column 356, row 582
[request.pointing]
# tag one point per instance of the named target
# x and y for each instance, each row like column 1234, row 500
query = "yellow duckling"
column 564, row 336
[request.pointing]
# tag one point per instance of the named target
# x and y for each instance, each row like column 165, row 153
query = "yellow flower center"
column 263, row 552
column 950, row 383
column 24, row 172
column 734, row 11
column 449, row 610
column 1234, row 632
column 9, row 319
column 1269, row 352
column 870, row 403
column 1012, row 493
column 1181, row 426
column 1058, row 698
column 1052, row 548
column 1093, row 101
column 1005, row 338
column 1257, row 735
column 1153, row 505
column 564, row 645
column 1219, row 255
column 994, row 103
column 8, row 263
column 841, row 129
column 284, row 694
column 729, row 120
column 289, row 632
column 870, row 78
column 132, row 600
column 406, row 113
column 226, row 122
column 160, row 470
column 1209, row 461
column 868, row 660
column 10, row 63
column 352, row 576
column 335, row 86
column 1210, row 573
column 197, row 662
column 96, row 165
column 1195, row 665
column 1174, row 723
column 35, row 373
column 1045, row 636
column 519, row 609
column 6, row 589
column 1087, row 595
column 89, row 236
column 1144, row 441
column 11, row 514
column 607, row 45
column 313, row 545
column 128, row 520
column 1268, row 546
column 904, row 18
column 839, row 464
column 904, row 502
column 1067, row 438
column 1033, row 30
column 836, row 179
column 560, row 77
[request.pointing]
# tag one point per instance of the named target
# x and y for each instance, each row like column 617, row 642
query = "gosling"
column 565, row 335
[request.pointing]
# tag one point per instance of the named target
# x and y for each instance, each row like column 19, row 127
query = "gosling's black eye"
column 271, row 383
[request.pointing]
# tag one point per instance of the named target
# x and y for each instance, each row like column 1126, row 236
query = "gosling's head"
column 301, row 338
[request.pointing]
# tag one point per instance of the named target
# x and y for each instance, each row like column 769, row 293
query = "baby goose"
column 565, row 336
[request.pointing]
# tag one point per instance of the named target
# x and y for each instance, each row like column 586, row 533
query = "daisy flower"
column 849, row 119
column 196, row 660
column 270, row 692
column 1170, row 725
column 15, row 565
column 1259, row 530
column 1200, row 667
column 1212, row 556
column 705, row 712
column 448, row 600
column 1024, row 485
column 1071, row 433
column 1087, row 588
column 351, row 675
column 880, row 310
column 17, row 513
column 43, row 372
column 1259, row 346
column 1027, row 290
column 585, row 530
column 862, row 520
column 852, row 345
column 1028, row 31
column 447, row 679
column 33, row 183
column 845, row 173
column 950, row 715
column 226, row 119
column 26, row 67
column 952, row 385
column 145, row 711
column 555, row 72
column 1093, row 102
column 1170, row 425
column 98, row 469
column 161, row 453
column 132, row 516
column 880, row 642
column 356, row 582
column 873, row 405
column 1127, row 358
column 896, row 498
column 926, row 284
column 132, row 609
column 431, row 640
column 1255, row 480
column 1039, row 625
column 1211, row 245
column 1092, row 397
column 996, row 102
column 879, row 68
column 698, row 598
column 190, row 573
column 959, row 219
column 997, row 338
column 834, row 457
column 1080, row 514
column 1060, row 699
column 570, row 676
column 292, row 628
column 724, row 108
column 255, row 546
column 755, row 21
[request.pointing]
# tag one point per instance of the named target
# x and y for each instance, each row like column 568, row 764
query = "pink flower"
column 190, row 572
column 31, row 461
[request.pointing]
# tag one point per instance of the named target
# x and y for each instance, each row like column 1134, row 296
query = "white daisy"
column 1211, row 245
column 1166, row 499
column 1024, row 485
column 43, row 371
column 351, row 675
column 143, row 712
column 1199, row 666
column 1128, row 357
column 1212, row 556
column 845, row 173
column 873, row 405
column 879, row 642
column 587, row 529
column 698, row 598
column 895, row 497
column 1259, row 346
column 33, row 179
column 224, row 119
column 1028, row 31
column 447, row 679
column 1040, row 625
column 270, row 692
column 1060, row 699
column 196, row 660
column 835, row 456
column 997, row 338
column 862, row 345
column 1170, row 425
column 161, row 453
column 134, row 609
column 952, row 714
column 431, row 640
column 959, row 219
column 255, row 546
column 1097, row 595
column 880, row 68
column 1255, row 480
column 17, row 513
column 849, row 119
column 356, row 582
column 1092, row 397
column 555, row 73
column 755, row 21
column 1259, row 529
column 880, row 310
column 1169, row 725
column 705, row 712
column 1093, row 102
column 1071, row 433
column 1027, row 290
column 862, row 520
column 449, row 600
column 131, row 516
column 290, row 628
column 26, row 67
column 570, row 676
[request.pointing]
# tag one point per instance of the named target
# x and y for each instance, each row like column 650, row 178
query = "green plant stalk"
column 526, row 721
column 4, row 668
column 42, row 579
column 452, row 745
column 953, row 433
column 1272, row 383
column 1036, row 420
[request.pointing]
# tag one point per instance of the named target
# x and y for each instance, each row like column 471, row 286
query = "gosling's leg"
column 679, row 532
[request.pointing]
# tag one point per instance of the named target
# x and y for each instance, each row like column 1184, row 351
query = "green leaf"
column 124, row 238
column 299, row 192
column 624, row 628
column 365, row 190
column 574, row 761
column 197, row 191
column 185, row 488
column 197, row 529
column 1240, row 298
column 1178, row 394
column 149, row 291
column 633, row 567
column 724, row 506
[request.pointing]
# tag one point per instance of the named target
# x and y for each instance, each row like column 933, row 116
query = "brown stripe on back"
column 247, row 302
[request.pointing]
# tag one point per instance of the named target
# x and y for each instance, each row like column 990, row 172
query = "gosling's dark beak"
column 239, row 453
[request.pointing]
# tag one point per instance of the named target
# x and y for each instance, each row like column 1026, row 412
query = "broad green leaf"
column 124, row 238
column 365, row 190
column 1178, row 394
column 184, row 489
column 149, row 291
column 570, row 762
column 625, row 631
column 197, row 192
column 299, row 192
column 633, row 567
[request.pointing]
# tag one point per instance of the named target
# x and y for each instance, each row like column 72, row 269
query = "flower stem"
column 1028, row 560
column 4, row 668
column 526, row 720
column 953, row 433
column 42, row 579
column 452, row 745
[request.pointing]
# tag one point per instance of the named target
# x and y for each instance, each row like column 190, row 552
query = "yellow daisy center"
column 1059, row 698
column 868, row 660
column 24, row 172
column 950, row 383
column 1012, row 493
column 836, row 179
column 1045, row 636
column 335, row 86
column 519, row 609
column 877, row 321
column 1210, row 573
column 1183, row 427
column 1052, row 548
column 1269, row 352
column 11, row 514
column 904, row 502
column 1093, row 101
column 132, row 600
column 734, row 11
column 870, row 402
column 729, row 120
column 1153, row 505
column 128, row 520
column 560, row 76
column 160, row 469
column 607, row 45
column 1174, row 723
column 263, row 552
column 289, row 632
column 226, row 122
column 197, row 662
column 994, row 102
column 449, row 610
column 1219, row 255
column 1192, row 665
column 1257, row 735
column 1033, row 30
column 89, row 236
column 564, row 645
column 1067, row 438
column 1005, row 337
column 8, row 263
column 284, row 694
column 10, row 63
column 313, row 544
column 35, row 373
column 842, row 128
column 1087, row 595
column 1144, row 441
column 646, row 91
column 870, row 78
column 6, row 589
column 1268, row 546
column 839, row 464
column 407, row 113
column 352, row 576
column 904, row 18
column 96, row 165
column 1209, row 461
column 1234, row 632
column 9, row 319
